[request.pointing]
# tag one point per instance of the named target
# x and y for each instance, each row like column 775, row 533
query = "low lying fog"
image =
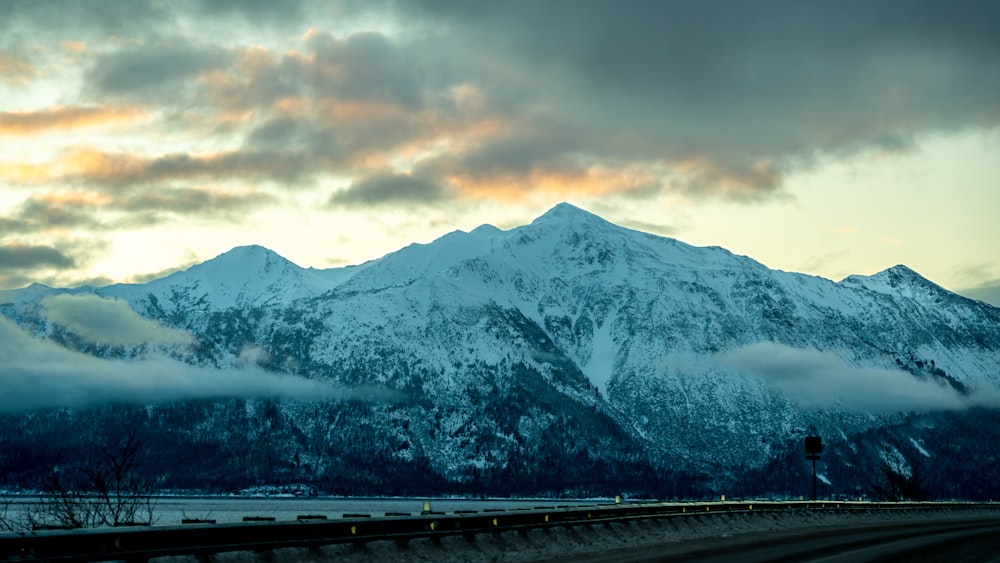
column 38, row 373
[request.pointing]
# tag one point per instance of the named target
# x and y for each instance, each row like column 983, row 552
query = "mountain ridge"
column 563, row 214
column 508, row 343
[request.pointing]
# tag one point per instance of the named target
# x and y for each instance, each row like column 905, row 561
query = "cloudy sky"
column 823, row 137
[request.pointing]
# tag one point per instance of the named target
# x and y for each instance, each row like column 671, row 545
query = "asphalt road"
column 952, row 541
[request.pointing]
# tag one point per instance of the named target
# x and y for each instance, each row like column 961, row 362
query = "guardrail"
column 142, row 543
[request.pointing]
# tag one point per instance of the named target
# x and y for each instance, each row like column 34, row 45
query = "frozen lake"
column 171, row 510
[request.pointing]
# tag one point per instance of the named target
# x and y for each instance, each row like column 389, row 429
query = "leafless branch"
column 105, row 492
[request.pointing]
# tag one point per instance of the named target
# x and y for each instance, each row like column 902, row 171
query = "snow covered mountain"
column 570, row 346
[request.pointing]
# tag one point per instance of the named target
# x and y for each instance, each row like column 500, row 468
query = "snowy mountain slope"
column 573, row 333
column 246, row 276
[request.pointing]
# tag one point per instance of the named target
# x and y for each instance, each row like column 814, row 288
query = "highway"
column 743, row 531
column 976, row 540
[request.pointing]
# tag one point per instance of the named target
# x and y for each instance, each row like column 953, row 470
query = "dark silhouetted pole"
column 814, row 447
column 814, row 478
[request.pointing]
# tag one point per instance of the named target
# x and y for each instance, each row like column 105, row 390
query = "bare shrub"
column 6, row 524
column 108, row 491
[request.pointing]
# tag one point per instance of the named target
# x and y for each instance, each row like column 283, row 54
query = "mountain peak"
column 251, row 261
column 486, row 230
column 899, row 280
column 900, row 275
column 901, row 270
column 567, row 213
column 249, row 252
column 249, row 274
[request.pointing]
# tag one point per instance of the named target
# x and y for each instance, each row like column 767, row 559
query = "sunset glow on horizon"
column 138, row 138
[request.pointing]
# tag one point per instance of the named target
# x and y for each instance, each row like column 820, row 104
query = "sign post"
column 814, row 447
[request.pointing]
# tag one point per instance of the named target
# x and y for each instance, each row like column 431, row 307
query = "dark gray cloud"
column 320, row 144
column 388, row 188
column 160, row 69
column 26, row 21
column 263, row 165
column 354, row 96
column 131, row 17
column 115, row 208
column 364, row 66
column 194, row 201
column 24, row 257
column 12, row 225
column 288, row 133
column 740, row 93
column 52, row 264
column 718, row 98
column 37, row 215
column 41, row 214
column 325, row 108
column 257, row 13
column 519, row 152
column 531, row 157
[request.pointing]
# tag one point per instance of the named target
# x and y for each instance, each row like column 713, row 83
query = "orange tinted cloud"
column 122, row 168
column 592, row 181
column 81, row 163
column 292, row 106
column 25, row 173
column 340, row 111
column 65, row 118
column 376, row 132
column 710, row 176
column 74, row 46
column 14, row 70
column 305, row 96
column 96, row 167
column 241, row 89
